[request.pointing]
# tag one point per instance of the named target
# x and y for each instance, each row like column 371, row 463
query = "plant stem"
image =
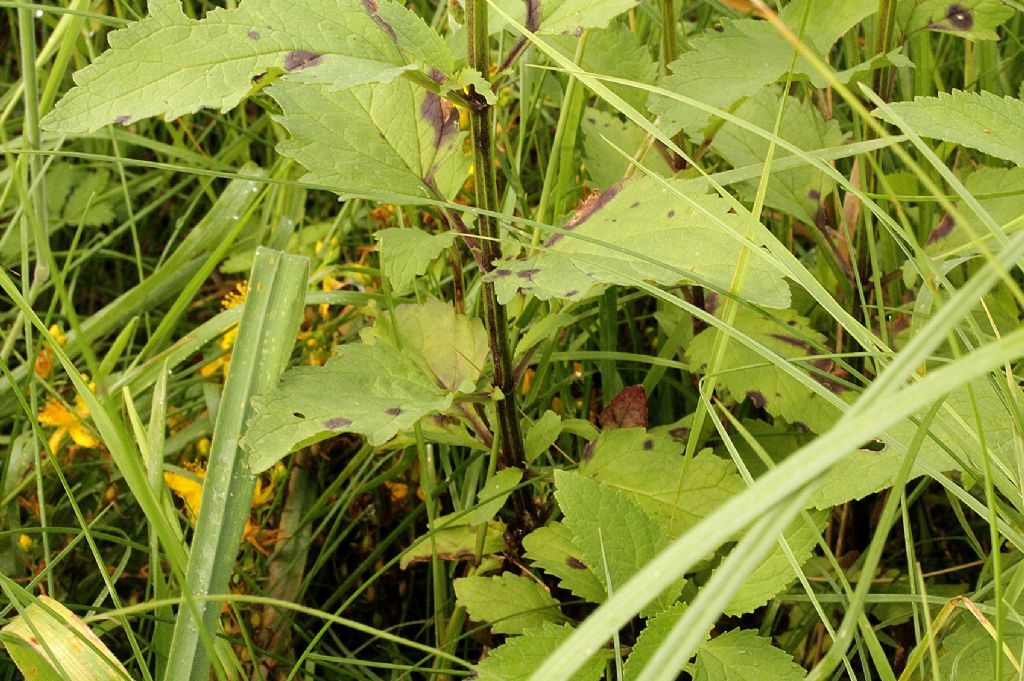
column 478, row 57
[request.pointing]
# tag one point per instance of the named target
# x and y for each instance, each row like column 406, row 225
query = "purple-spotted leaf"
column 551, row 549
column 169, row 64
column 376, row 388
column 390, row 140
column 638, row 230
column 746, row 375
column 974, row 19
column 650, row 469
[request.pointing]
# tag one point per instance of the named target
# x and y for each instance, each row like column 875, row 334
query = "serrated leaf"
column 605, row 164
column 407, row 253
column 775, row 573
column 799, row 191
column 968, row 650
column 541, row 434
column 457, row 542
column 742, row 655
column 977, row 120
column 653, row 635
column 551, row 548
column 618, row 52
column 749, row 376
column 615, row 535
column 718, row 70
column 510, row 603
column 948, row 238
column 639, row 230
column 974, row 19
column 168, row 64
column 48, row 642
column 650, row 469
column 372, row 388
column 492, row 497
column 519, row 657
column 393, row 140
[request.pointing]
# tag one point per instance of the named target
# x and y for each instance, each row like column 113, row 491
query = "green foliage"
column 976, row 120
column 511, row 603
column 642, row 229
column 974, row 19
column 519, row 657
column 742, row 655
column 407, row 253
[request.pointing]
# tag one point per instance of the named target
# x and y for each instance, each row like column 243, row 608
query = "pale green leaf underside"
column 510, row 603
column 640, row 230
column 650, row 469
column 566, row 17
column 748, row 375
column 551, row 549
column 376, row 388
column 742, row 655
column 951, row 239
column 977, row 120
column 519, row 657
column 615, row 536
column 456, row 542
column 169, row 64
column 393, row 140
column 799, row 191
column 407, row 253
column 604, row 134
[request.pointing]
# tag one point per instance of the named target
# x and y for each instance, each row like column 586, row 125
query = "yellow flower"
column 26, row 543
column 67, row 422
column 231, row 299
column 44, row 360
column 235, row 296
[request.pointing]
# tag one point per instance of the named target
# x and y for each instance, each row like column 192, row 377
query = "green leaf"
column 455, row 542
column 605, row 164
column 391, row 140
column 519, row 657
column 974, row 19
column 977, row 120
column 551, row 548
column 776, row 573
column 619, row 52
column 742, row 655
column 168, row 64
column 554, row 17
column 640, row 230
column 374, row 388
column 407, row 253
column 511, row 603
column 948, row 238
column 653, row 635
column 800, row 191
column 492, row 497
column 48, row 642
column 968, row 651
column 650, row 469
column 615, row 536
column 718, row 69
column 748, row 375
column 541, row 434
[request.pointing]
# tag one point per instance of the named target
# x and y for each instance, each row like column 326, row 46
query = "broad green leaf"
column 541, row 434
column 407, row 253
column 619, row 52
column 650, row 469
column 605, row 164
column 653, row 635
column 559, row 17
column 376, row 388
column 168, row 64
column 977, row 120
column 450, row 347
column 639, row 230
column 551, row 548
column 393, row 140
column 718, row 69
column 510, row 603
column 748, row 375
column 615, row 535
column 974, row 19
column 776, row 573
column 457, row 542
column 742, row 655
column 799, row 191
column 948, row 238
column 48, row 642
column 519, row 657
column 968, row 651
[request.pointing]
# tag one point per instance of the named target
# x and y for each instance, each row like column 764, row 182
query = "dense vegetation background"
column 648, row 340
